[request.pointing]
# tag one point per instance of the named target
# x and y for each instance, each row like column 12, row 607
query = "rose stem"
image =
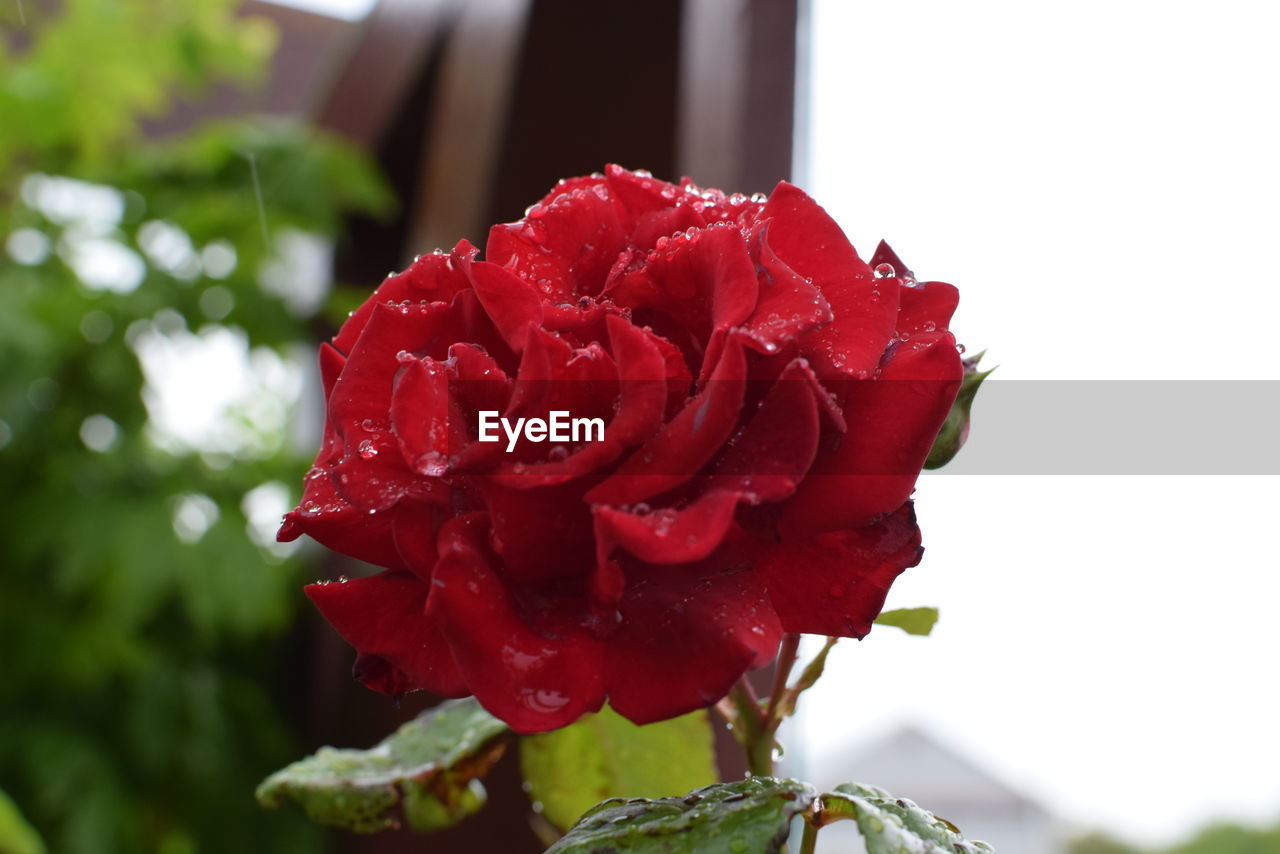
column 809, row 841
column 787, row 653
column 750, row 730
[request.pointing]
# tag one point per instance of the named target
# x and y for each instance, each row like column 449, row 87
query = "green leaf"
column 16, row 836
column 892, row 825
column 426, row 772
column 913, row 621
column 750, row 816
column 605, row 755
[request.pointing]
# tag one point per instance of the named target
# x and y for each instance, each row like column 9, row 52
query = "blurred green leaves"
column 141, row 586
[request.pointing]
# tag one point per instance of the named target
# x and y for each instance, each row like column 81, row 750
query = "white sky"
column 350, row 10
column 1101, row 181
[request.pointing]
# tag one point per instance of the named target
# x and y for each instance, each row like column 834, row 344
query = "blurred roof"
column 311, row 50
column 913, row 763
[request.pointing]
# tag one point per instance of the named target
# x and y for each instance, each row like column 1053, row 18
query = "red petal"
column 327, row 517
column 435, row 278
column 927, row 307
column 638, row 193
column 422, row 417
column 836, row 583
column 788, row 304
column 706, row 280
column 542, row 534
column 687, row 634
column 533, row 681
column 641, row 375
column 686, row 442
column 382, row 617
column 775, row 450
column 667, row 536
column 893, row 421
column 865, row 309
column 564, row 246
column 510, row 302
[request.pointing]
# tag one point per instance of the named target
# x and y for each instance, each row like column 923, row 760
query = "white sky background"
column 1101, row 180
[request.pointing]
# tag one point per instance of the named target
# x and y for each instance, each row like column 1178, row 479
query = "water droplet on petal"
column 884, row 271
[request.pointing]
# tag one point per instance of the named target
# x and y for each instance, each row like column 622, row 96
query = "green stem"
column 751, row 731
column 787, row 653
column 809, row 841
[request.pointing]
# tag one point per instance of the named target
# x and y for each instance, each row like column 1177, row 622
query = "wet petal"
column 835, row 583
column 383, row 618
column 687, row 634
column 533, row 681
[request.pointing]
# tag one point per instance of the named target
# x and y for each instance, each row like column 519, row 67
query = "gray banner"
column 1224, row 427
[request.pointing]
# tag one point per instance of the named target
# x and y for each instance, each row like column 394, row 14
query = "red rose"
column 768, row 401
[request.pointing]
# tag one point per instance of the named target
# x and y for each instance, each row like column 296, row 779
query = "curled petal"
column 835, row 583
column 564, row 245
column 667, row 536
column 329, row 519
column 788, row 305
column 687, row 634
column 512, row 304
column 432, row 278
column 535, row 681
column 382, row 617
column 685, row 443
column 774, row 451
column 892, row 422
column 864, row 308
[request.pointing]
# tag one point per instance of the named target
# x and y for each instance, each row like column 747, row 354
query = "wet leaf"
column 605, row 755
column 892, row 825
column 913, row 621
column 750, row 816
column 424, row 774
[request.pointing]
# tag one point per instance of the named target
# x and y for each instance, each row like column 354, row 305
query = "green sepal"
column 425, row 774
column 955, row 430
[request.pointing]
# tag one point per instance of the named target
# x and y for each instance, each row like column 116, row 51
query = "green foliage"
column 751, row 816
column 140, row 586
column 604, row 755
column 913, row 621
column 754, row 816
column 1220, row 838
column 426, row 772
column 16, row 836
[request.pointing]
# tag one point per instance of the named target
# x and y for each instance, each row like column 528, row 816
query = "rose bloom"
column 769, row 399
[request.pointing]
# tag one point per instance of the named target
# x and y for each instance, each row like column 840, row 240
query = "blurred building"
column 911, row 763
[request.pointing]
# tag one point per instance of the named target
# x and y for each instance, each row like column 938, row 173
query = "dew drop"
column 884, row 271
column 368, row 450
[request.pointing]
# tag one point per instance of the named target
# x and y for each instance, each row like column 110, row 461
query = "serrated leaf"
column 750, row 816
column 913, row 621
column 892, row 825
column 605, row 755
column 425, row 773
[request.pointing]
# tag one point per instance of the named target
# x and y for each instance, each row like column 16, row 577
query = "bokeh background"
column 195, row 192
